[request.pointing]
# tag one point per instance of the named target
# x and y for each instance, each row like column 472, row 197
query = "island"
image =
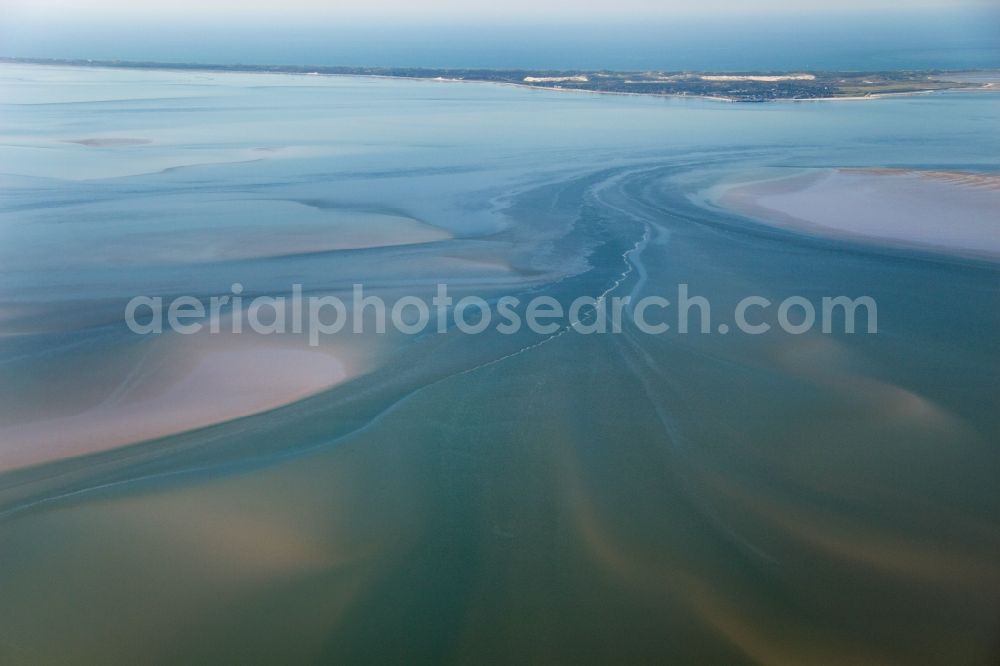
column 725, row 86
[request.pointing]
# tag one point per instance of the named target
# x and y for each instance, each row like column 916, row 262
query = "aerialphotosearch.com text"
column 322, row 315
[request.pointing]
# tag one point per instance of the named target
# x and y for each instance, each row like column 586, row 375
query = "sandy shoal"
column 179, row 383
column 942, row 211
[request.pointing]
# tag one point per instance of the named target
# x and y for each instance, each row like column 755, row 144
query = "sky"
column 456, row 9
column 674, row 35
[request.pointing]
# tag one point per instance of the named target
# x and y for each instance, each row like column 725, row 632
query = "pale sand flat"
column 191, row 382
column 343, row 231
column 109, row 142
column 943, row 211
column 970, row 179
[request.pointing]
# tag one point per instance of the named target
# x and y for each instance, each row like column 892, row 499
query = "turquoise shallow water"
column 636, row 498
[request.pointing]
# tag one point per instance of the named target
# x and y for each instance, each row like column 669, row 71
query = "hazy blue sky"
column 456, row 8
column 718, row 35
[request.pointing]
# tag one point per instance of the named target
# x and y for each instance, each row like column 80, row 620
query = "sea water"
column 623, row 497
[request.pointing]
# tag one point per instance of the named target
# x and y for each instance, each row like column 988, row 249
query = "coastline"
column 525, row 86
column 431, row 74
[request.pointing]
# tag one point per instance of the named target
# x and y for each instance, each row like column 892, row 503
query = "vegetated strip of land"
column 729, row 86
